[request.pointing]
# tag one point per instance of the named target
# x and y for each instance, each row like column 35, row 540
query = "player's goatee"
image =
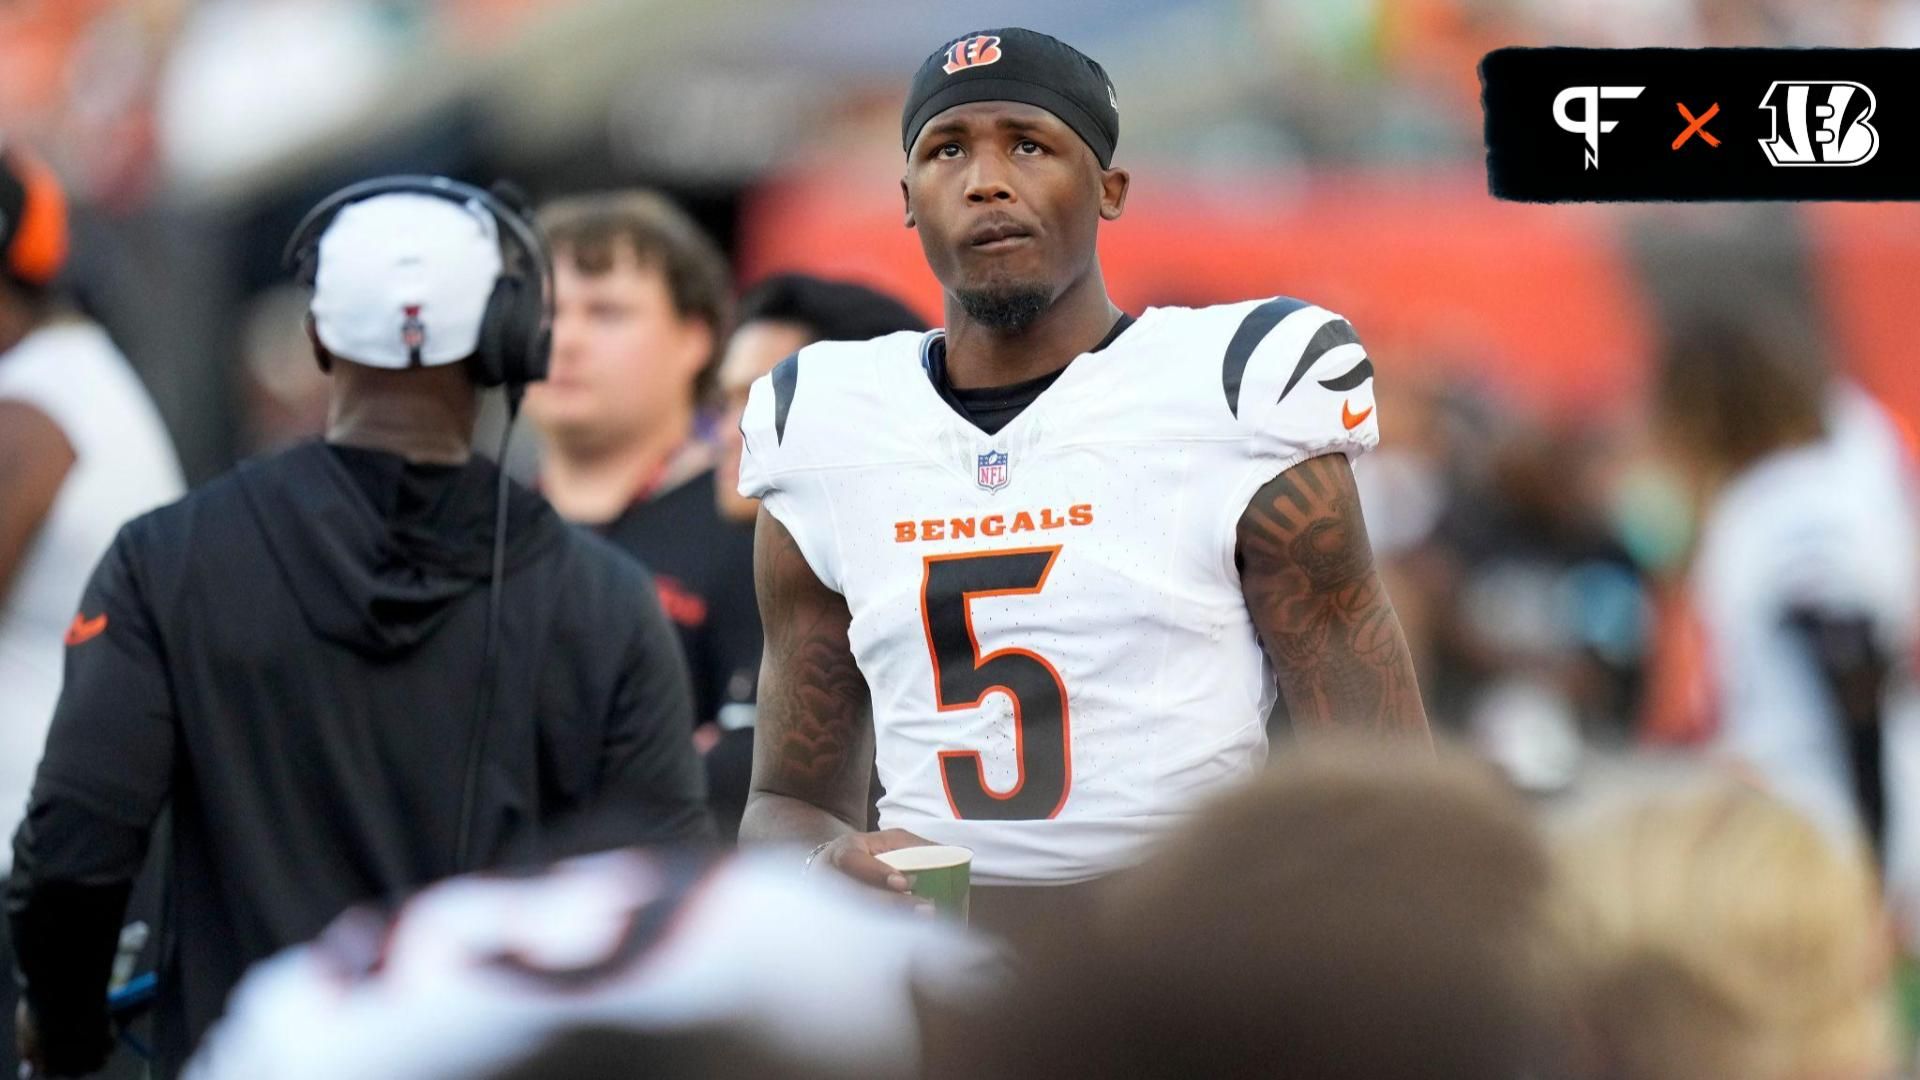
column 1011, row 308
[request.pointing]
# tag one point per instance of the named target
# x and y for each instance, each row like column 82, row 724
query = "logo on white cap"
column 413, row 332
column 385, row 261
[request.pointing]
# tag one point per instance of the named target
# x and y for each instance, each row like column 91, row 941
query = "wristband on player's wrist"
column 815, row 854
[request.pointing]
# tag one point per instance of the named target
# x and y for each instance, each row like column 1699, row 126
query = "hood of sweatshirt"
column 376, row 550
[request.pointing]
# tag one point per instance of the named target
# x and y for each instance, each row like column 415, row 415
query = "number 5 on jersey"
column 962, row 679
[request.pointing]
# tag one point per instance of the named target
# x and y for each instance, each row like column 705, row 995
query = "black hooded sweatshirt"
column 291, row 657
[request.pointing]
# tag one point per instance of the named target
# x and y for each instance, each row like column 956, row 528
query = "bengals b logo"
column 1824, row 123
column 973, row 52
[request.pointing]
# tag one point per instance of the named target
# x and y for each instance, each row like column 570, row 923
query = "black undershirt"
column 991, row 408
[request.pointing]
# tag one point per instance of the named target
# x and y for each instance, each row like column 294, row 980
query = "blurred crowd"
column 151, row 99
column 1682, row 620
column 1420, row 921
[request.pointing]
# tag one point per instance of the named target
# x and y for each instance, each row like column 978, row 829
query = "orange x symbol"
column 1697, row 125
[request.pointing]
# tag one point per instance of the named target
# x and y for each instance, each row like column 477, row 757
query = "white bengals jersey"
column 475, row 974
column 1834, row 527
column 1049, row 619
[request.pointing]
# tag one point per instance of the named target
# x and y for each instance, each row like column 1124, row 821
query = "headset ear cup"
column 515, row 333
column 495, row 358
column 542, row 347
column 529, row 333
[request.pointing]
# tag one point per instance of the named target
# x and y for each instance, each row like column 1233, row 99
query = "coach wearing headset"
column 314, row 661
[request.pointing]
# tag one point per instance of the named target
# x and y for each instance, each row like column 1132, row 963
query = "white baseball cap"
column 404, row 279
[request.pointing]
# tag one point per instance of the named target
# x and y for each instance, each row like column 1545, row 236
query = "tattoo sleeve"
column 813, row 742
column 1308, row 575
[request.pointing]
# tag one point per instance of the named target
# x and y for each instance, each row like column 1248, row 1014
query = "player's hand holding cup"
column 857, row 856
column 898, row 861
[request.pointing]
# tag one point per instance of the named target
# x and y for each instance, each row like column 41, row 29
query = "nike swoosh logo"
column 1352, row 420
column 84, row 629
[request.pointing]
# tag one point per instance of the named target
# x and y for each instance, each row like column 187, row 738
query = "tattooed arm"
column 812, row 742
column 1307, row 572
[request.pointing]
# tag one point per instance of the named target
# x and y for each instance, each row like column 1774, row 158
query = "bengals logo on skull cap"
column 977, row 51
column 33, row 218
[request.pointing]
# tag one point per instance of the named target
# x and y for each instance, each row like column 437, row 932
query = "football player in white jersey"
column 1051, row 540
column 1805, row 579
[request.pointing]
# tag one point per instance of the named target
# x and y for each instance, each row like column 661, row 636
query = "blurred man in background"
column 285, row 397
column 776, row 318
column 314, row 660
column 81, row 451
column 641, row 305
column 1805, row 578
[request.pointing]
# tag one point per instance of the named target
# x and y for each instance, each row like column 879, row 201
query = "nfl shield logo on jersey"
column 992, row 474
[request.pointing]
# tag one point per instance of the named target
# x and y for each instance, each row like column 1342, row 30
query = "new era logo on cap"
column 413, row 332
column 977, row 51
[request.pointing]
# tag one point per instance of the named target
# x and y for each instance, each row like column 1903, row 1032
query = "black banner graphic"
column 1694, row 124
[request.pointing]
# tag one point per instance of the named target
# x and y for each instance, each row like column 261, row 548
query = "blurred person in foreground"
column 82, row 450
column 1805, row 579
column 641, row 305
column 1028, row 563
column 300, row 657
column 1717, row 934
column 604, row 1052
column 1345, row 915
column 777, row 317
column 728, row 967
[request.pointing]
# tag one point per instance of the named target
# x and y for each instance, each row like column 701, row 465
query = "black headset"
column 516, row 336
column 516, row 333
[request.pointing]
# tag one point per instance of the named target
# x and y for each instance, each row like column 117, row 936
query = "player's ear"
column 906, row 203
column 1114, row 184
column 320, row 354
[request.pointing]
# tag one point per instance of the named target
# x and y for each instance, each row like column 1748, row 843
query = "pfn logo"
column 977, row 51
column 1589, row 123
column 1826, row 124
